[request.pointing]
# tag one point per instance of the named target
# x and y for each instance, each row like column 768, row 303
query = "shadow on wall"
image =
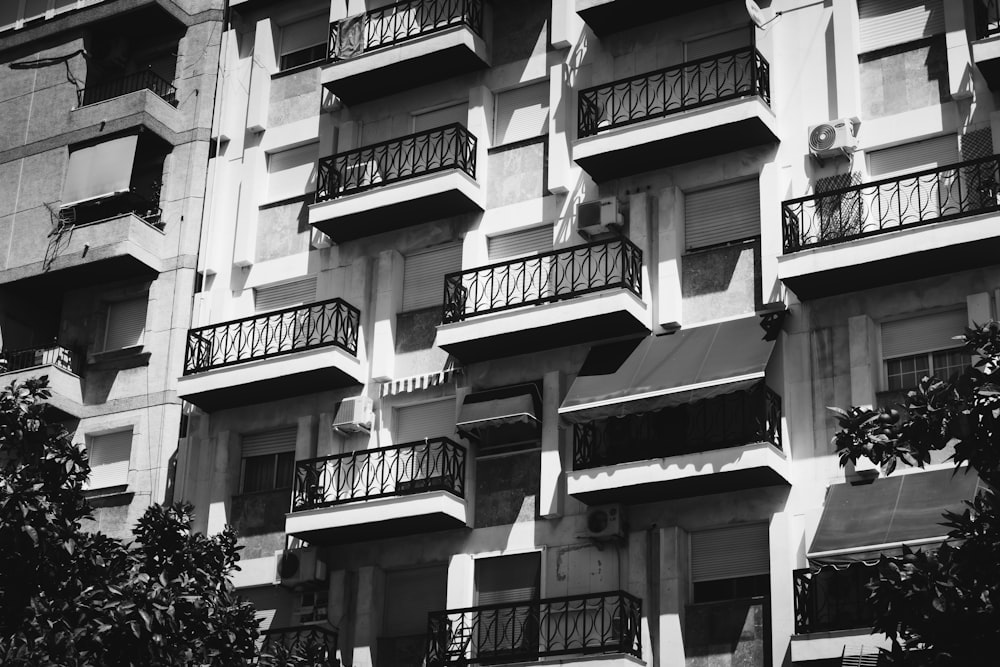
column 721, row 281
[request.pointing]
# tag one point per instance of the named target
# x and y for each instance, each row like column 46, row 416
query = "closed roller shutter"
column 518, row 244
column 410, row 595
column 521, row 113
column 720, row 215
column 888, row 22
column 285, row 295
column 126, row 322
column 913, row 157
column 423, row 276
column 729, row 553
column 458, row 113
column 426, row 420
column 925, row 333
column 506, row 579
column 713, row 45
column 270, row 442
column 109, row 456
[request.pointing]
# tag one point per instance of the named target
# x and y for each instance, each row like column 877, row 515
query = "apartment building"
column 106, row 114
column 517, row 321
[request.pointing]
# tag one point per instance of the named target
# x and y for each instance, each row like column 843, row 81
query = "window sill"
column 251, row 494
column 306, row 198
column 298, row 68
column 111, row 496
column 127, row 357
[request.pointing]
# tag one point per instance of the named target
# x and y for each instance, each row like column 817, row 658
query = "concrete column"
column 848, row 83
column 782, row 595
column 328, row 442
column 673, row 595
column 480, row 123
column 264, row 65
column 356, row 292
column 560, row 106
column 959, row 54
column 368, row 615
column 864, row 360
column 566, row 24
column 770, row 233
column 639, row 228
column 670, row 215
column 638, row 569
column 338, row 605
column 224, row 480
column 979, row 308
column 253, row 173
column 388, row 302
column 551, row 482
column 461, row 581
column 305, row 442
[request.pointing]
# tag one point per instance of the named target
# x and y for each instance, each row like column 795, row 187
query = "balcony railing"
column 147, row 80
column 302, row 646
column 934, row 195
column 334, row 322
column 674, row 89
column 545, row 278
column 32, row 357
column 987, row 13
column 832, row 599
column 521, row 631
column 731, row 420
column 378, row 165
column 400, row 22
column 436, row 464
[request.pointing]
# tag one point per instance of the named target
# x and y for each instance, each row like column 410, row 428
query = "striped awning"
column 418, row 382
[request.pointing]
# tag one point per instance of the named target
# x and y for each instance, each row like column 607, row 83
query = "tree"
column 69, row 597
column 941, row 607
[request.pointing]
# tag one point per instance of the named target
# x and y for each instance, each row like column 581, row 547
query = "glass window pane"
column 950, row 362
column 286, row 470
column 258, row 473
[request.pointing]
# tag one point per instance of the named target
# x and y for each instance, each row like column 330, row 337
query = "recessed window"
column 923, row 346
column 521, row 114
column 312, row 606
column 126, row 323
column 292, row 173
column 268, row 460
column 303, row 42
column 108, row 455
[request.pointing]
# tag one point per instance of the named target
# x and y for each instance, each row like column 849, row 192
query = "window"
column 730, row 563
column 924, row 345
column 520, row 243
column 284, row 295
column 521, row 113
column 722, row 215
column 268, row 460
column 423, row 276
column 504, row 580
column 312, row 606
column 719, row 43
column 126, row 323
column 292, row 173
column 885, row 23
column 429, row 120
column 16, row 13
column 109, row 455
column 425, row 420
column 303, row 42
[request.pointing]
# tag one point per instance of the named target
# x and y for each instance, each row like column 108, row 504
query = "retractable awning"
column 663, row 371
column 100, row 170
column 515, row 409
column 862, row 521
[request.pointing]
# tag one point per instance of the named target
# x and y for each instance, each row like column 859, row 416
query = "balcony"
column 272, row 356
column 725, row 443
column 399, row 183
column 147, row 80
column 304, row 645
column 563, row 297
column 602, row 629
column 986, row 48
column 375, row 493
column 892, row 230
column 61, row 365
column 608, row 16
column 404, row 45
column 711, row 106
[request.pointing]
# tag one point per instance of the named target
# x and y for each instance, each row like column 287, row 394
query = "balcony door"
column 410, row 594
column 286, row 330
column 531, row 279
column 915, row 199
column 507, row 593
column 715, row 78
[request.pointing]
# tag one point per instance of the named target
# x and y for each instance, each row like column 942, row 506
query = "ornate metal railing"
column 987, row 13
column 148, row 79
column 402, row 21
column 832, row 599
column 301, row 646
column 550, row 276
column 933, row 195
column 46, row 355
column 296, row 329
column 418, row 154
column 515, row 632
column 435, row 464
column 674, row 89
column 731, row 420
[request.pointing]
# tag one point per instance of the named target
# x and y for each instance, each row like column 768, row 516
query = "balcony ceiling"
column 608, row 16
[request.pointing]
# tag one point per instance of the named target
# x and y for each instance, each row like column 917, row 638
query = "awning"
column 862, row 521
column 515, row 409
column 99, row 171
column 663, row 371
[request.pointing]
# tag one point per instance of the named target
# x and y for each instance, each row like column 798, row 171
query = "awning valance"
column 515, row 409
column 100, row 170
column 663, row 371
column 862, row 521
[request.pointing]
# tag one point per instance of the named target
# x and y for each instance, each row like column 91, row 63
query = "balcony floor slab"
column 66, row 387
column 603, row 660
column 833, row 645
column 986, row 55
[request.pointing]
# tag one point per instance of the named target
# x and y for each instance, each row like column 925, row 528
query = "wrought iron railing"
column 301, row 646
column 46, row 355
column 933, row 195
column 987, row 15
column 435, row 464
column 378, row 165
column 550, row 276
column 832, row 599
column 674, row 89
column 296, row 329
column 402, row 21
column 520, row 631
column 146, row 80
column 731, row 420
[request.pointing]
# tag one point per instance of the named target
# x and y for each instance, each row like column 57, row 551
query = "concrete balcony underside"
column 717, row 471
column 986, row 54
column 140, row 107
column 608, row 16
column 678, row 138
column 893, row 257
column 417, row 62
column 66, row 388
column 272, row 379
column 832, row 645
column 378, row 519
column 402, row 204
column 601, row 660
column 582, row 319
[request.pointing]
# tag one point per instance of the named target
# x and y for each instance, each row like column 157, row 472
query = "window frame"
column 274, row 474
column 89, row 442
column 314, row 59
column 111, row 305
column 931, row 371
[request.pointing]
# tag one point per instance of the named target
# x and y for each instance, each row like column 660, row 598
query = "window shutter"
column 713, row 45
column 728, row 553
column 423, row 276
column 458, row 113
column 410, row 595
column 109, row 456
column 720, row 215
column 520, row 243
column 915, row 156
column 521, row 113
column 269, row 442
column 506, row 579
column 888, row 22
column 284, row 295
column 303, row 34
column 293, row 172
column 126, row 322
column 425, row 420
column 925, row 333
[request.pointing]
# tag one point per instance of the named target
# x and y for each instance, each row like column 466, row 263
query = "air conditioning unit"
column 605, row 522
column 834, row 138
column 297, row 568
column 597, row 217
column 354, row 415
